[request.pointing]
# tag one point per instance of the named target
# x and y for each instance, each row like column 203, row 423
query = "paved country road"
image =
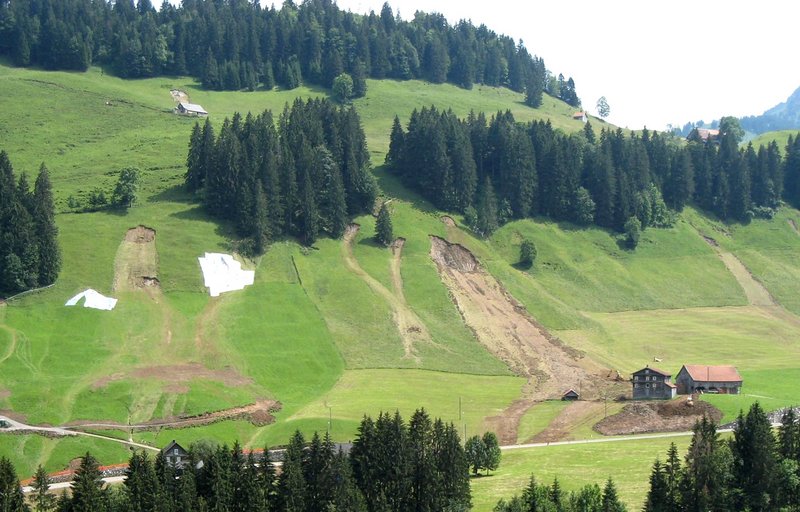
column 16, row 426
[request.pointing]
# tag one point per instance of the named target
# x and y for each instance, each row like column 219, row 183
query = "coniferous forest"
column 497, row 169
column 307, row 175
column 29, row 252
column 237, row 44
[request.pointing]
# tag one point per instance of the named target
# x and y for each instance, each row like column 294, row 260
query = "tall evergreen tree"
column 11, row 497
column 42, row 500
column 755, row 468
column 384, row 233
column 46, row 229
column 87, row 487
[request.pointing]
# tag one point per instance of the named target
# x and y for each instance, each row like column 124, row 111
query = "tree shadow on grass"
column 174, row 194
column 393, row 187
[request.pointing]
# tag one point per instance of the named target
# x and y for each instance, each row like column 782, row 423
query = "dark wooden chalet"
column 175, row 455
column 653, row 384
column 700, row 378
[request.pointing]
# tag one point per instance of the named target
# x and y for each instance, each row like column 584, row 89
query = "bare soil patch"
column 448, row 221
column 179, row 96
column 179, row 374
column 136, row 263
column 505, row 328
column 259, row 413
column 4, row 393
column 672, row 416
column 710, row 241
column 793, row 224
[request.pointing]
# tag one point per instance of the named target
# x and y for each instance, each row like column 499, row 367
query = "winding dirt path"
column 412, row 330
column 756, row 293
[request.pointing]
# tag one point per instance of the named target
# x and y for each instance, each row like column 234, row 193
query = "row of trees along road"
column 307, row 175
column 497, row 169
column 29, row 252
column 393, row 466
column 237, row 44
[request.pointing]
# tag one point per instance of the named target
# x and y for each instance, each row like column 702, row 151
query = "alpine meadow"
column 443, row 247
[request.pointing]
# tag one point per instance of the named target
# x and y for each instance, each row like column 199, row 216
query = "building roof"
column 706, row 373
column 570, row 392
column 578, row 115
column 670, row 385
column 655, row 370
column 192, row 107
column 172, row 445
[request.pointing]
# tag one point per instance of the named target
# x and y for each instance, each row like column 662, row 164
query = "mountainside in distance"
column 783, row 116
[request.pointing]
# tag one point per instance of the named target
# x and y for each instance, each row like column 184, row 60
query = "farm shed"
column 700, row 378
column 652, row 384
column 190, row 109
column 570, row 394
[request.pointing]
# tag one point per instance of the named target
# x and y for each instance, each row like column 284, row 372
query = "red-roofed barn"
column 700, row 378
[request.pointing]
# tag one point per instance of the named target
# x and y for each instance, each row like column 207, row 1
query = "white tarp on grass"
column 94, row 300
column 222, row 273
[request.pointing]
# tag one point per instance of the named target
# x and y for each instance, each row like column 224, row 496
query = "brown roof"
column 655, row 370
column 705, row 373
column 670, row 385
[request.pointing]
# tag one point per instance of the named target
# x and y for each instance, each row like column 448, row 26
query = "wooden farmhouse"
column 175, row 455
column 700, row 378
column 570, row 394
column 190, row 109
column 653, row 384
column 580, row 116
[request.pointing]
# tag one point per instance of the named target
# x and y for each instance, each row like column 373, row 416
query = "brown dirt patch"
column 793, row 224
column 4, row 393
column 179, row 374
column 506, row 424
column 505, row 328
column 136, row 262
column 179, row 96
column 672, row 416
column 259, row 413
column 448, row 221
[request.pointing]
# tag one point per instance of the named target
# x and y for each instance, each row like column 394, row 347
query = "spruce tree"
column 789, row 435
column 611, row 501
column 141, row 484
column 87, row 487
column 292, row 487
column 754, row 461
column 384, row 233
column 11, row 497
column 487, row 210
column 41, row 498
column 46, row 229
column 657, row 496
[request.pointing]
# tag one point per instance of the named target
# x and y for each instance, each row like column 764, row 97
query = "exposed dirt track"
column 258, row 413
column 412, row 330
column 504, row 326
column 178, row 374
column 793, row 224
column 136, row 263
column 756, row 293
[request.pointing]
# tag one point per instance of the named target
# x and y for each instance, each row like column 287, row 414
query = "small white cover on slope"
column 222, row 273
column 94, row 300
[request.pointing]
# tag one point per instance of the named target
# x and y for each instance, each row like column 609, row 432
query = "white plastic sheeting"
column 94, row 299
column 222, row 273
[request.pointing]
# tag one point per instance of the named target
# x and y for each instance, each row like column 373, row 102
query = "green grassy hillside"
column 780, row 136
column 318, row 331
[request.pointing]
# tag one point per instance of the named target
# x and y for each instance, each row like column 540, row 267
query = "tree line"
column 237, row 44
column 496, row 170
column 392, row 466
column 29, row 252
column 755, row 470
column 306, row 175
